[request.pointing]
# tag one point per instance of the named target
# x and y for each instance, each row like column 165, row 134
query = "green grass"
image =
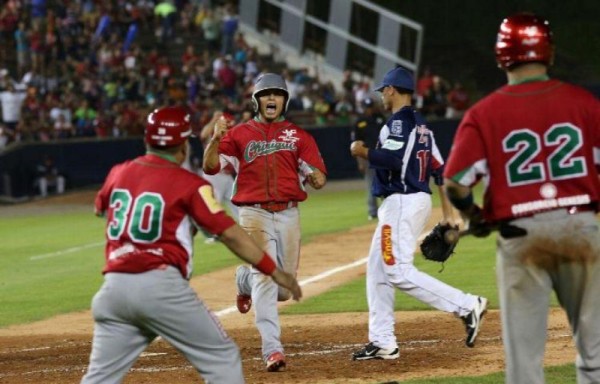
column 470, row 269
column 33, row 289
column 36, row 283
column 562, row 374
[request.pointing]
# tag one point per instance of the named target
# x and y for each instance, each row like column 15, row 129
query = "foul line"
column 304, row 282
column 65, row 251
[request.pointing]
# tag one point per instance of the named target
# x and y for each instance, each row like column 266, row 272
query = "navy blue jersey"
column 406, row 156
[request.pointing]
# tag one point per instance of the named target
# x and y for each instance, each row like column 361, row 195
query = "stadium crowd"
column 90, row 68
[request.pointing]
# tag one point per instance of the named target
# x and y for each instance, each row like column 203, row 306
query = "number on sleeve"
column 423, row 156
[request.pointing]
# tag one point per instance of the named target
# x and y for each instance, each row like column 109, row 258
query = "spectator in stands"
column 229, row 27
column 227, row 78
column 166, row 13
column 436, row 99
column 321, row 108
column 36, row 45
column 210, row 29
column 22, row 48
column 424, row 85
column 348, row 82
column 85, row 120
column 11, row 102
column 48, row 175
column 63, row 128
column 189, row 59
column 458, row 101
column 344, row 109
column 361, row 92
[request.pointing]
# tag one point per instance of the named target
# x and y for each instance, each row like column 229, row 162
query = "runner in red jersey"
column 153, row 207
column 535, row 143
column 273, row 159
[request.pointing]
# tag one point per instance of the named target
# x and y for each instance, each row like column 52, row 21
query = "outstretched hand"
column 288, row 281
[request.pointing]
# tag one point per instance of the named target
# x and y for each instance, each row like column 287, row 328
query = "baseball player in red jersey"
column 535, row 143
column 273, row 159
column 153, row 207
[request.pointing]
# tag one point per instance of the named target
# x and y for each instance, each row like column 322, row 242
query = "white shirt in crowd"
column 11, row 105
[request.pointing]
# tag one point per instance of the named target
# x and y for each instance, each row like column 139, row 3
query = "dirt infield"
column 318, row 347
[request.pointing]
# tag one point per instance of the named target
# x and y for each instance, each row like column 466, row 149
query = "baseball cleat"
column 474, row 319
column 276, row 362
column 370, row 351
column 243, row 301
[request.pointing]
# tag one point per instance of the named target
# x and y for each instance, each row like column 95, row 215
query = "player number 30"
column 142, row 217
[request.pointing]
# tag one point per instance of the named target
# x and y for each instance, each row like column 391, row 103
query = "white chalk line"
column 67, row 251
column 307, row 281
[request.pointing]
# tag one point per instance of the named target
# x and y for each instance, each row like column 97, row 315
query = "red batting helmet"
column 522, row 38
column 168, row 127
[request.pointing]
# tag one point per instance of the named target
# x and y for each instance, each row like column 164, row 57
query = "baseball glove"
column 439, row 244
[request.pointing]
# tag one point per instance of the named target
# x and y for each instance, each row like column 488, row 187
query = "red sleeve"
column 227, row 146
column 309, row 152
column 102, row 197
column 467, row 150
column 207, row 212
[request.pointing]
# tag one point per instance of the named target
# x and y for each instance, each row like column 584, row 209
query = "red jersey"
column 536, row 145
column 271, row 161
column 153, row 207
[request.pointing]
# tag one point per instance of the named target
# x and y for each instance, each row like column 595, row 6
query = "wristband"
column 266, row 265
column 462, row 203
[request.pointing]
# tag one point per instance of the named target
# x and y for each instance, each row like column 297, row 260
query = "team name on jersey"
column 542, row 205
column 255, row 149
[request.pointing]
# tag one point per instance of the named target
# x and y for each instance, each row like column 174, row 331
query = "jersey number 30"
column 144, row 216
column 561, row 164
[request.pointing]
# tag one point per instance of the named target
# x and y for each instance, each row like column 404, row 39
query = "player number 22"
column 142, row 217
column 561, row 164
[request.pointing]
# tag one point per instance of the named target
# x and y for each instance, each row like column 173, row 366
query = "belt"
column 274, row 206
column 509, row 231
column 592, row 207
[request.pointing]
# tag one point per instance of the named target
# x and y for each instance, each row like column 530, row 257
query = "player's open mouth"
column 271, row 108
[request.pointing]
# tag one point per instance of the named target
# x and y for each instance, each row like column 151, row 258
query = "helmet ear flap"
column 254, row 104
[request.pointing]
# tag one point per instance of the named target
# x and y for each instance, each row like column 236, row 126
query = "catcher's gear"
column 524, row 37
column 439, row 244
column 167, row 127
column 266, row 82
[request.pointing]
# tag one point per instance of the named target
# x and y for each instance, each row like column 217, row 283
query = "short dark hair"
column 403, row 90
column 166, row 150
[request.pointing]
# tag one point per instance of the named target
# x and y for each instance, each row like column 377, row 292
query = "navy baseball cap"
column 398, row 77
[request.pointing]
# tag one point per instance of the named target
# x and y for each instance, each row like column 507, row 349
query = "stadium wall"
column 85, row 163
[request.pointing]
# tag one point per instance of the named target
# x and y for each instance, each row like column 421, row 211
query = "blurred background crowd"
column 91, row 68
